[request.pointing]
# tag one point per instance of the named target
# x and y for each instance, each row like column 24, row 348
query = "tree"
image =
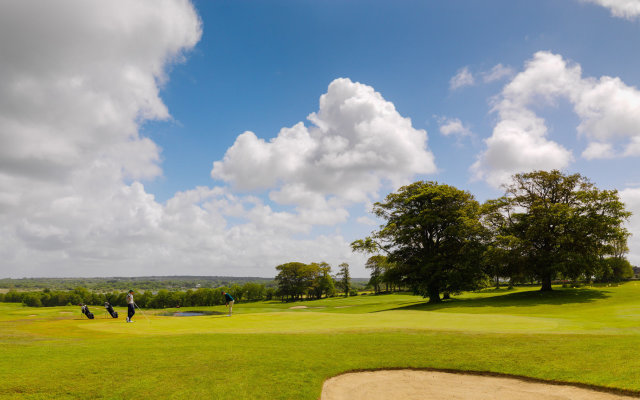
column 376, row 264
column 270, row 293
column 322, row 282
column 344, row 278
column 294, row 279
column 32, row 300
column 560, row 225
column 613, row 269
column 433, row 234
column 254, row 291
column 501, row 258
column 162, row 299
column 391, row 276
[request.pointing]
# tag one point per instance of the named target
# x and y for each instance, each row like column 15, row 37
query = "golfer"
column 130, row 305
column 229, row 301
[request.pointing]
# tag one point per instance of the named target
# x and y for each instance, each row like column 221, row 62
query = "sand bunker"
column 426, row 385
column 297, row 307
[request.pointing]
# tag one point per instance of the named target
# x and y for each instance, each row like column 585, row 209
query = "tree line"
column 297, row 281
column 154, row 283
column 161, row 299
column 438, row 240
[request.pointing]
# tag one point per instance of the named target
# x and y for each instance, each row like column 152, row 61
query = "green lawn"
column 269, row 351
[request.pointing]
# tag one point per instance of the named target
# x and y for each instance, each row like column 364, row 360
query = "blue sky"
column 113, row 115
column 262, row 66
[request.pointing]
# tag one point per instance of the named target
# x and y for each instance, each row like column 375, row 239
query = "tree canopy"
column 296, row 279
column 551, row 225
column 433, row 235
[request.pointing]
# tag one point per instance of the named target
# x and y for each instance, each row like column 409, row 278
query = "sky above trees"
column 168, row 137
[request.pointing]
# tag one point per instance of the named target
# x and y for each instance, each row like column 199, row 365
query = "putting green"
column 318, row 322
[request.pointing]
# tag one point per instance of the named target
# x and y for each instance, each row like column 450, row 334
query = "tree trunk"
column 446, row 296
column 546, row 283
column 497, row 282
column 434, row 295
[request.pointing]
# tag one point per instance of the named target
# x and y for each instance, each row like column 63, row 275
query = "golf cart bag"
column 110, row 310
column 85, row 311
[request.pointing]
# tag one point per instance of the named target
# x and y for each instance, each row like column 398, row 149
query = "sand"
column 426, row 385
column 297, row 307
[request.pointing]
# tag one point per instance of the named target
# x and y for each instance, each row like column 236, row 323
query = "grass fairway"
column 269, row 351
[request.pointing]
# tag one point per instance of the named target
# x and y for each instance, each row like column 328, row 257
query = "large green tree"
column 433, row 235
column 557, row 225
column 323, row 282
column 295, row 279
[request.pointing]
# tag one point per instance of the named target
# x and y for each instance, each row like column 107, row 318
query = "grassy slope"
column 269, row 351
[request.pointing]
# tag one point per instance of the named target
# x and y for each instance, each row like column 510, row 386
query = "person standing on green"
column 130, row 305
column 229, row 301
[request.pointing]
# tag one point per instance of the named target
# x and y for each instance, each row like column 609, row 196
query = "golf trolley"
column 84, row 309
column 109, row 309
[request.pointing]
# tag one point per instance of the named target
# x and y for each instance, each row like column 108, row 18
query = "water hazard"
column 191, row 313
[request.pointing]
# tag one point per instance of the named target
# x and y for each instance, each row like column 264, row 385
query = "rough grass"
column 269, row 351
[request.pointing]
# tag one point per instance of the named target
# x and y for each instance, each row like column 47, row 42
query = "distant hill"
column 126, row 283
column 177, row 282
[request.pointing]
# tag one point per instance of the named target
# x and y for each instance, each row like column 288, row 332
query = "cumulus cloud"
column 453, row 127
column 356, row 142
column 629, row 9
column 80, row 78
column 631, row 198
column 76, row 81
column 497, row 73
column 598, row 150
column 463, row 78
column 609, row 112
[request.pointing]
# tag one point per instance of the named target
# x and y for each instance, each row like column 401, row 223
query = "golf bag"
column 85, row 311
column 110, row 310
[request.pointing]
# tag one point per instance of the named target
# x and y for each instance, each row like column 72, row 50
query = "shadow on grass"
column 519, row 299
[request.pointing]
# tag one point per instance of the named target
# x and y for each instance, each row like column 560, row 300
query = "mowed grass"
column 268, row 350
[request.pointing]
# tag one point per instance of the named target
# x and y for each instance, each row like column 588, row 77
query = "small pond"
column 191, row 313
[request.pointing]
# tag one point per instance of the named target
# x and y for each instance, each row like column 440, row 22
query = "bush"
column 613, row 269
column 32, row 300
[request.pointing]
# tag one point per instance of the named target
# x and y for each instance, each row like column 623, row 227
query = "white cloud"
column 453, row 126
column 73, row 92
column 598, row 150
column 631, row 198
column 81, row 77
column 633, row 148
column 609, row 112
column 74, row 89
column 357, row 141
column 463, row 78
column 628, row 9
column 497, row 73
